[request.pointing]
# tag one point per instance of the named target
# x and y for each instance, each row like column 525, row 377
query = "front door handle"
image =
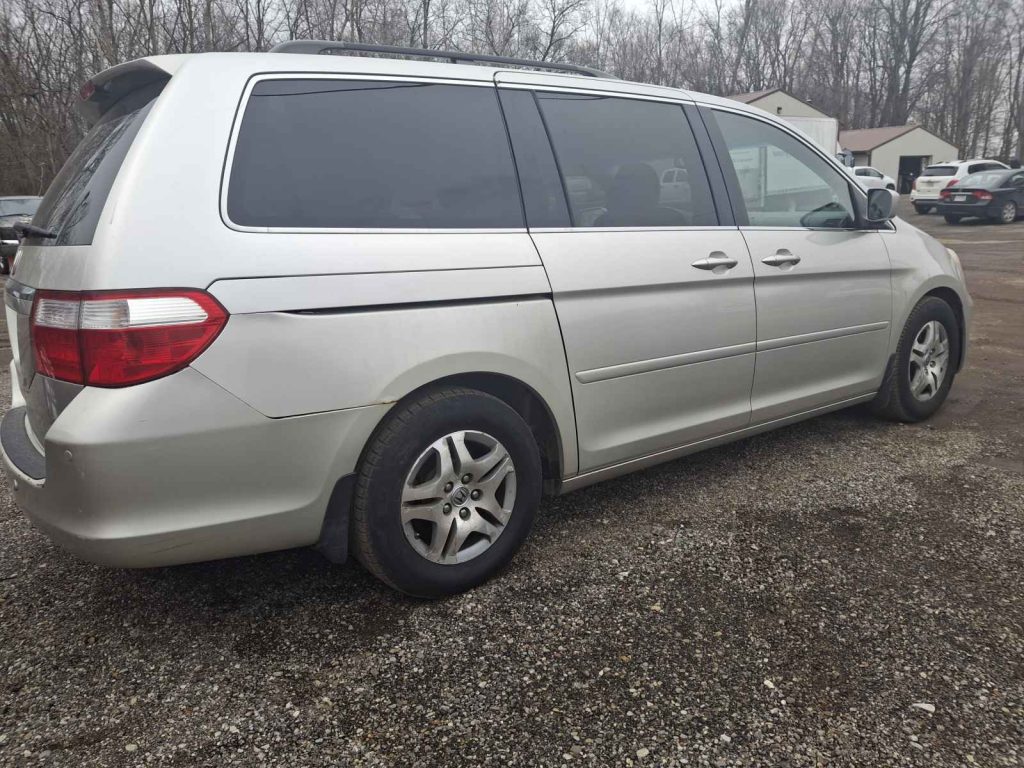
column 717, row 262
column 781, row 258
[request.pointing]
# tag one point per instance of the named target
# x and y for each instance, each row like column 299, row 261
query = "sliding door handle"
column 781, row 258
column 717, row 262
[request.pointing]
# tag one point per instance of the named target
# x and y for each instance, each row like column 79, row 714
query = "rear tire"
column 913, row 389
column 414, row 524
column 1007, row 213
column 922, row 209
column 952, row 219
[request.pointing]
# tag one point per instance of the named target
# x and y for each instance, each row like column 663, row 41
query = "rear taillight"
column 118, row 338
column 944, row 193
column 950, row 183
column 982, row 194
column 914, row 185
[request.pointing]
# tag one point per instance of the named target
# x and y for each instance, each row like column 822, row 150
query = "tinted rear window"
column 940, row 170
column 985, row 179
column 73, row 203
column 359, row 154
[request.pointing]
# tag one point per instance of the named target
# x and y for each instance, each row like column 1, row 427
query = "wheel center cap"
column 459, row 495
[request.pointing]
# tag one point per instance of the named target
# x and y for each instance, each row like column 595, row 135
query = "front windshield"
column 984, row 179
column 9, row 206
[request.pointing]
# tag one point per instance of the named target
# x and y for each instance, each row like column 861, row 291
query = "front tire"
column 447, row 492
column 921, row 372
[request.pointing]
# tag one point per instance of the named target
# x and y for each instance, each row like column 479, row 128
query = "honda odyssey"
column 381, row 305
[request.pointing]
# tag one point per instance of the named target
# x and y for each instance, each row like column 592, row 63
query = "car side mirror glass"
column 881, row 205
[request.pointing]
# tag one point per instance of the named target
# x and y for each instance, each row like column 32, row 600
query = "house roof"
column 753, row 96
column 867, row 139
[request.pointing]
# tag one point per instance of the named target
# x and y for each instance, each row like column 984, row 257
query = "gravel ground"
column 842, row 592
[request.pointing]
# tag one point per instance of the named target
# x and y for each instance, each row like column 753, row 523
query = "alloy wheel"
column 458, row 497
column 929, row 360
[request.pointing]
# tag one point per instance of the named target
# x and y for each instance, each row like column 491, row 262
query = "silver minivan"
column 381, row 305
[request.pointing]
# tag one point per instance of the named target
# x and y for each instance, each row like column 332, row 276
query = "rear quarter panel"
column 286, row 364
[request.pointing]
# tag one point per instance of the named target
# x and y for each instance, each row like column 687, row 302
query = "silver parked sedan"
column 379, row 305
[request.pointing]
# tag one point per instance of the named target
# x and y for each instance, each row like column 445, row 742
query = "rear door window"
column 341, row 154
column 74, row 201
column 613, row 154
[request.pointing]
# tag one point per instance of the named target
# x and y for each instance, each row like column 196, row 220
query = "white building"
column 900, row 151
column 822, row 129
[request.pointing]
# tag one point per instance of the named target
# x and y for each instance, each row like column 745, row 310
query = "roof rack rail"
column 324, row 46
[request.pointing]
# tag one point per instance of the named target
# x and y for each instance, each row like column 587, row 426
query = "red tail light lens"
column 945, row 193
column 982, row 194
column 951, row 183
column 119, row 338
column 55, row 335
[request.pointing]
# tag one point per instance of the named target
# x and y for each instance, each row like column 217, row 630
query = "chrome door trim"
column 806, row 338
column 577, row 230
column 661, row 363
column 606, row 473
column 618, row 89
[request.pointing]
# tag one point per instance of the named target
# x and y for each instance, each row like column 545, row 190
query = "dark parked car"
column 13, row 210
column 997, row 195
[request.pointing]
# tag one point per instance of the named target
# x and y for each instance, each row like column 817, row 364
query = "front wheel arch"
column 951, row 297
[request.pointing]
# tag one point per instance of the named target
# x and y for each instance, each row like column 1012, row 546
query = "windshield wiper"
column 27, row 230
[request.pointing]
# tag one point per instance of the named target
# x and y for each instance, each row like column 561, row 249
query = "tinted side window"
column 613, row 153
column 543, row 196
column 784, row 183
column 359, row 154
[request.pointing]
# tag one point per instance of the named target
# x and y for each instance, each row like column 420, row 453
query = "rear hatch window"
column 72, row 205
column 940, row 170
column 985, row 179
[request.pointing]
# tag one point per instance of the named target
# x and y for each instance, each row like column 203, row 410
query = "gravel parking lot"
column 841, row 592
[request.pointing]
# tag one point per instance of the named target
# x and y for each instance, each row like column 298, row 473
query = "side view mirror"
column 881, row 205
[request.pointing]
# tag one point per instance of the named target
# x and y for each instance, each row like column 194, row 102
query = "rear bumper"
column 967, row 209
column 178, row 470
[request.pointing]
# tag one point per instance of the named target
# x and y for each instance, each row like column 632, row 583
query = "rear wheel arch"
column 525, row 401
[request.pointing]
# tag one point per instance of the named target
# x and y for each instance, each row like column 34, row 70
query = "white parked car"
column 872, row 178
column 935, row 178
